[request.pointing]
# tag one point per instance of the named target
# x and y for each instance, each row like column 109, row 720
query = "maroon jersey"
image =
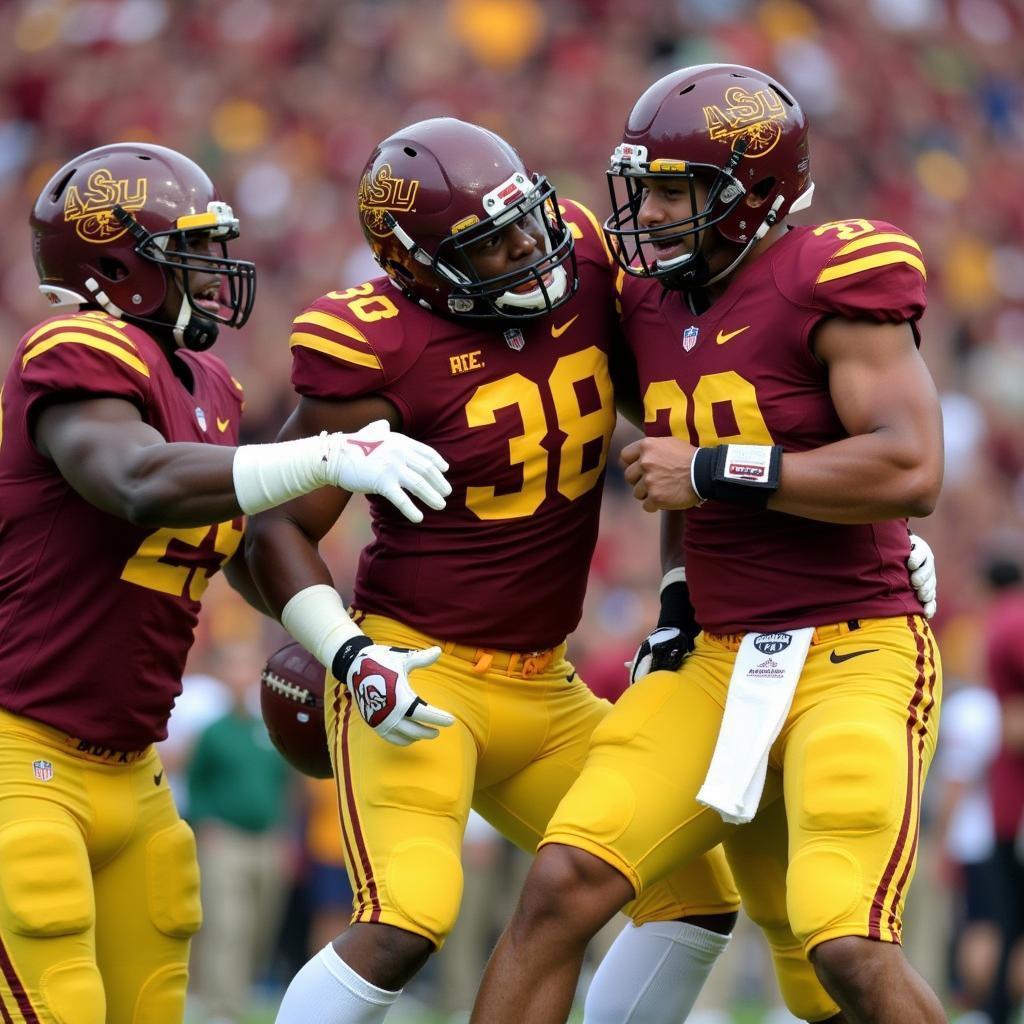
column 1004, row 658
column 523, row 415
column 743, row 372
column 97, row 615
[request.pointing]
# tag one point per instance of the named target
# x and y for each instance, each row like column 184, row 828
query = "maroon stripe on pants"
column 17, row 989
column 357, row 833
column 878, row 903
column 350, row 859
column 922, row 731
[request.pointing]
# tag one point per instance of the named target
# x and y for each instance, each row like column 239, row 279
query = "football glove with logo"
column 921, row 564
column 373, row 460
column 665, row 647
column 378, row 679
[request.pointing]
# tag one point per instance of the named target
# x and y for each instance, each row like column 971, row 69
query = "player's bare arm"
column 891, row 465
column 236, row 572
column 282, row 543
column 120, row 464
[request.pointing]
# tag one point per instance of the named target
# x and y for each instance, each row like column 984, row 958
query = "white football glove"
column 921, row 564
column 378, row 679
column 376, row 460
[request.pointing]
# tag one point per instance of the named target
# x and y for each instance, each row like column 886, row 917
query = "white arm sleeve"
column 317, row 618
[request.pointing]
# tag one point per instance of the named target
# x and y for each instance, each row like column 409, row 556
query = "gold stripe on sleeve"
column 869, row 240
column 334, row 348
column 882, row 259
column 77, row 324
column 331, row 323
column 90, row 342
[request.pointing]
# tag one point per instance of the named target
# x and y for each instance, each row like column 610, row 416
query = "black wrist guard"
column 741, row 474
column 676, row 609
column 342, row 661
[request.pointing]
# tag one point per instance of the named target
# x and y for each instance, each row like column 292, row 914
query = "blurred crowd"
column 917, row 115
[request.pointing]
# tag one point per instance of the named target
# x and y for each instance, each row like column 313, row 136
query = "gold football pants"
column 99, row 887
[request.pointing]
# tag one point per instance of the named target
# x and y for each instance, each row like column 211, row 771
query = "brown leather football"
column 292, row 701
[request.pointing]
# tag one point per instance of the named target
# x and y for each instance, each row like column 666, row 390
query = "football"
column 292, row 702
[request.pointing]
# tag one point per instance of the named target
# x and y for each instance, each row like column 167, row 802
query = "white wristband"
column 317, row 618
column 266, row 475
column 676, row 575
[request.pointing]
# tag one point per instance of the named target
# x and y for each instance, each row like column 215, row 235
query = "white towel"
column 764, row 678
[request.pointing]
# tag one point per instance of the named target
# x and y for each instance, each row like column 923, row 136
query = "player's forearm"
column 282, row 558
column 863, row 479
column 178, row 484
column 672, row 529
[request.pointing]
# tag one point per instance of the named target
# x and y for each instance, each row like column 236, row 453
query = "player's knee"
column 848, row 967
column 424, row 882
column 572, row 890
column 72, row 992
column 162, row 995
column 46, row 881
column 172, row 882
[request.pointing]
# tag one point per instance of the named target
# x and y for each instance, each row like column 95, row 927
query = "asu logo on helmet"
column 753, row 116
column 381, row 193
column 92, row 209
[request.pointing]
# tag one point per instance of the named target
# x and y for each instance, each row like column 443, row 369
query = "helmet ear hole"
column 112, row 269
column 395, row 269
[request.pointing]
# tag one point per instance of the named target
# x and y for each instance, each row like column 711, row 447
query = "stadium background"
column 917, row 113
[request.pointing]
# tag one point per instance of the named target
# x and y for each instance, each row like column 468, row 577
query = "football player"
column 489, row 337
column 788, row 408
column 122, row 490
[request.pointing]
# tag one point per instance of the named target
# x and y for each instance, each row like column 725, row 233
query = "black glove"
column 665, row 647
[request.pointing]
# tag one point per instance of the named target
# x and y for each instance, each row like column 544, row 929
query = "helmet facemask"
column 196, row 326
column 632, row 243
column 523, row 293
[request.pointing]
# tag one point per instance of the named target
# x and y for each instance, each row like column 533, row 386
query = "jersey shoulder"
column 357, row 341
column 86, row 352
column 854, row 268
column 588, row 238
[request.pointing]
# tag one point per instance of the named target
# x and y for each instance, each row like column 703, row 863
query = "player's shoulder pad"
column 856, row 268
column 356, row 341
column 588, row 238
column 86, row 351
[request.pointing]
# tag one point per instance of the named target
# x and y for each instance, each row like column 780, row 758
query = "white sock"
column 328, row 991
column 652, row 974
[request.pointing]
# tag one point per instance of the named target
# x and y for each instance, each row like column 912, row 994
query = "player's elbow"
column 922, row 487
column 145, row 508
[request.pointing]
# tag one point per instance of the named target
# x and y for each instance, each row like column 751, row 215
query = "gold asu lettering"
column 384, row 193
column 92, row 211
column 754, row 116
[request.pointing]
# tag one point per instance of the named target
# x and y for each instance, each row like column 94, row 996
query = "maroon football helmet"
column 437, row 187
column 101, row 230
column 739, row 131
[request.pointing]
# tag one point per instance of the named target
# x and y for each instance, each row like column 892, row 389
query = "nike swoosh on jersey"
column 722, row 337
column 557, row 332
column 838, row 659
column 223, row 425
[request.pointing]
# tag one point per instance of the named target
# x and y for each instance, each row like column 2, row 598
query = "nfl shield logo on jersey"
column 42, row 770
column 201, row 418
column 514, row 339
column 689, row 338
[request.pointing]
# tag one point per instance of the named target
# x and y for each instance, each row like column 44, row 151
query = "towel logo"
column 772, row 643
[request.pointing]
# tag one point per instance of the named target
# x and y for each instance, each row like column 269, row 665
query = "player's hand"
column 658, row 470
column 663, row 649
column 921, row 564
column 376, row 460
column 378, row 679
column 668, row 644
